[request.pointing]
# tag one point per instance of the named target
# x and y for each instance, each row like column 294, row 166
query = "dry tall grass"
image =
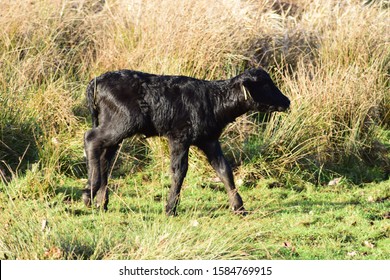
column 330, row 57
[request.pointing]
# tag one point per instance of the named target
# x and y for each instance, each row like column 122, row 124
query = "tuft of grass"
column 330, row 58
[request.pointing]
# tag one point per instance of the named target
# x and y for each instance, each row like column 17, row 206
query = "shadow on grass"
column 18, row 147
column 373, row 211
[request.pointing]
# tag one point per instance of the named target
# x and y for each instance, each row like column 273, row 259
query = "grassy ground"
column 305, row 222
column 316, row 180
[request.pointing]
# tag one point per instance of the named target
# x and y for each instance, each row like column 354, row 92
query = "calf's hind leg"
column 101, row 145
column 105, row 164
column 93, row 150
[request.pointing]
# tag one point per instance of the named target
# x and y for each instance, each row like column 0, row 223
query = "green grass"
column 331, row 60
column 285, row 222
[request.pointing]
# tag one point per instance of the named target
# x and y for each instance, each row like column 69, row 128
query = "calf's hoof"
column 87, row 197
column 102, row 199
column 102, row 205
column 171, row 212
column 240, row 211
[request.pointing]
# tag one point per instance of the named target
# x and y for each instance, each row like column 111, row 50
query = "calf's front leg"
column 214, row 154
column 179, row 167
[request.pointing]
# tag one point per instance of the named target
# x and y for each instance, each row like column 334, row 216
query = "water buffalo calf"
column 185, row 110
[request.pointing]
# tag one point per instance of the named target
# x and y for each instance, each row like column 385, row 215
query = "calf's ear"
column 245, row 91
column 248, row 83
column 247, row 88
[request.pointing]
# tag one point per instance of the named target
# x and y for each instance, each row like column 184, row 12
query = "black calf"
column 185, row 110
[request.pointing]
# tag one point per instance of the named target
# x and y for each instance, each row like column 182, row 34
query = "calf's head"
column 265, row 96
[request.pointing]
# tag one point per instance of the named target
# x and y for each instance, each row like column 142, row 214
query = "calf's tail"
column 91, row 102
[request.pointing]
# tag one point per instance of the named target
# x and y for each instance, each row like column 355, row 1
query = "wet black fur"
column 185, row 110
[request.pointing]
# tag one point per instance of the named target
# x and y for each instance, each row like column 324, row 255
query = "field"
column 315, row 180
